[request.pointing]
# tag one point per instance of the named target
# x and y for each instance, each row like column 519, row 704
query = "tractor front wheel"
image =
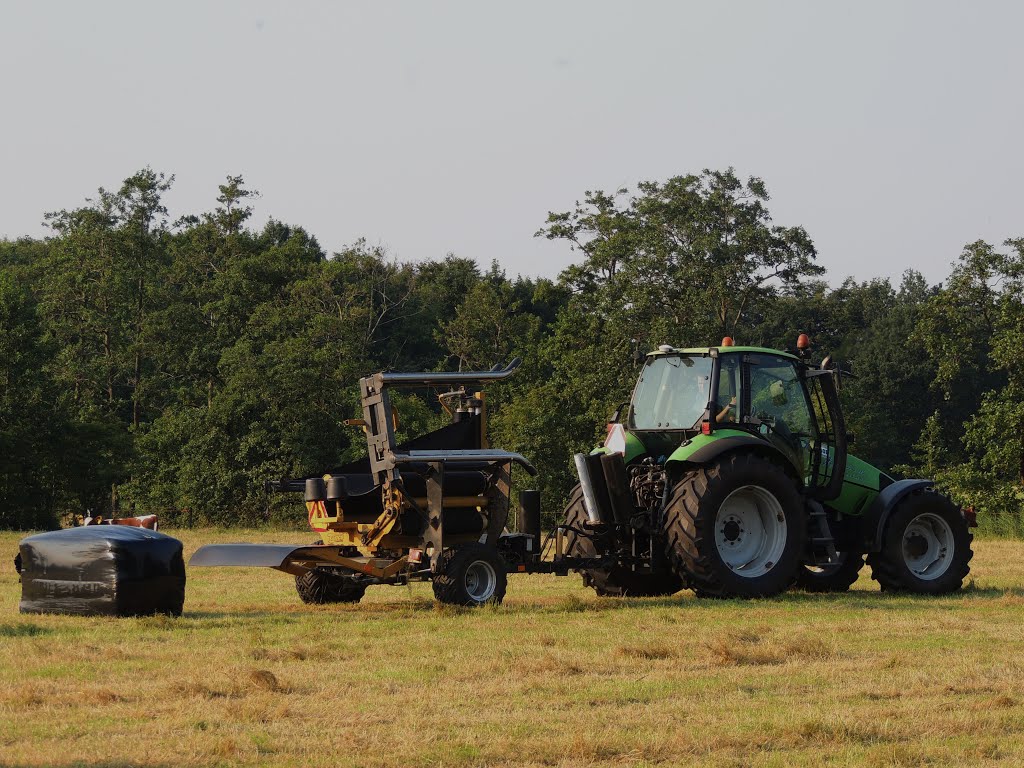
column 926, row 546
column 472, row 575
column 617, row 581
column 835, row 577
column 736, row 527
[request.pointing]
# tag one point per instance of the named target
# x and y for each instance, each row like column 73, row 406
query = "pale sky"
column 891, row 131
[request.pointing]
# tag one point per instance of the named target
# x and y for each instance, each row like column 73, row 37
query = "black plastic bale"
column 109, row 570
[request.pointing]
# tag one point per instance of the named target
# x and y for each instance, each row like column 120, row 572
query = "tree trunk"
column 110, row 369
column 138, row 354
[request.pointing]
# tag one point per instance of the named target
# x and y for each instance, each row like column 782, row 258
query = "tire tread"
column 448, row 586
column 889, row 570
column 685, row 518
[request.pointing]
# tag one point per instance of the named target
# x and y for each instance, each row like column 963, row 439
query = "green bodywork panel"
column 861, row 484
column 687, row 449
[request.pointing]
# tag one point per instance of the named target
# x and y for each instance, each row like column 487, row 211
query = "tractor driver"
column 728, row 413
column 728, row 387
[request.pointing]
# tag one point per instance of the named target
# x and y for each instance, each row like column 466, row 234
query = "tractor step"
column 821, row 542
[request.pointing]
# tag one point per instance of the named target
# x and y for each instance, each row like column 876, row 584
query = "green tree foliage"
column 865, row 327
column 168, row 365
column 30, row 427
column 489, row 325
column 692, row 254
column 973, row 328
column 686, row 261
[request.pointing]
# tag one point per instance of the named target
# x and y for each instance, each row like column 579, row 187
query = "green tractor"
column 728, row 473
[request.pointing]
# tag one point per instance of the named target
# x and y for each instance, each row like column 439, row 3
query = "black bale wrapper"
column 434, row 508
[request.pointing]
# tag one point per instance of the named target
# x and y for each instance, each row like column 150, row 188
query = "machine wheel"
column 926, row 546
column 618, row 581
column 837, row 577
column 318, row 586
column 736, row 527
column 473, row 575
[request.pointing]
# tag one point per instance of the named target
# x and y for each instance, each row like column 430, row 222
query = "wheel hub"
column 481, row 581
column 750, row 531
column 916, row 545
column 928, row 546
column 731, row 530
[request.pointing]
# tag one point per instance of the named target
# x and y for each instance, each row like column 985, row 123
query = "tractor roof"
column 721, row 350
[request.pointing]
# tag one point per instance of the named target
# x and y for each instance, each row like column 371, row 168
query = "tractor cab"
column 688, row 396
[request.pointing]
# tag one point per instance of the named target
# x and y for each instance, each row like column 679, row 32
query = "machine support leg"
column 498, row 502
column 434, row 535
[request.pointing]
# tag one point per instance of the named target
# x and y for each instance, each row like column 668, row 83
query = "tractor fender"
column 878, row 513
column 712, row 449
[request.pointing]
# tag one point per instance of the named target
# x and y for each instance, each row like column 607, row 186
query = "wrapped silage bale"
column 110, row 570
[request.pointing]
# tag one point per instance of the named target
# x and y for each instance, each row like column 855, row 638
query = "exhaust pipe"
column 589, row 502
column 595, row 489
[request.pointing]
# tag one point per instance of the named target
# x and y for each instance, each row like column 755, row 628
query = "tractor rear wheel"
column 736, row 527
column 926, row 547
column 473, row 575
column 837, row 577
column 318, row 586
column 617, row 581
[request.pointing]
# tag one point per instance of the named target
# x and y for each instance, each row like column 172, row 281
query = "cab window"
column 778, row 401
column 727, row 402
column 672, row 393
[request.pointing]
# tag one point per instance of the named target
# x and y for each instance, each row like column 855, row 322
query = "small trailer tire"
column 471, row 575
column 318, row 586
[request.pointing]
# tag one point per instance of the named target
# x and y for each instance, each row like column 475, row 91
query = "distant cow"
column 145, row 521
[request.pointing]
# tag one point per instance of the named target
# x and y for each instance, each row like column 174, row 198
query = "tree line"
column 151, row 364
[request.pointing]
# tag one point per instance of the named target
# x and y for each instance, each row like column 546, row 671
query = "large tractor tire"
column 318, row 586
column 836, row 577
column 617, row 581
column 926, row 546
column 736, row 527
column 471, row 575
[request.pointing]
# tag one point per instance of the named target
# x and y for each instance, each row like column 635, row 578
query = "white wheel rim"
column 928, row 546
column 750, row 531
column 481, row 581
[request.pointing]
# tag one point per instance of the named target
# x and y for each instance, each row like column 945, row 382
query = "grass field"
column 555, row 676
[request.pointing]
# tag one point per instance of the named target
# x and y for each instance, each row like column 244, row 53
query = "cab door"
column 778, row 406
column 797, row 409
column 828, row 458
